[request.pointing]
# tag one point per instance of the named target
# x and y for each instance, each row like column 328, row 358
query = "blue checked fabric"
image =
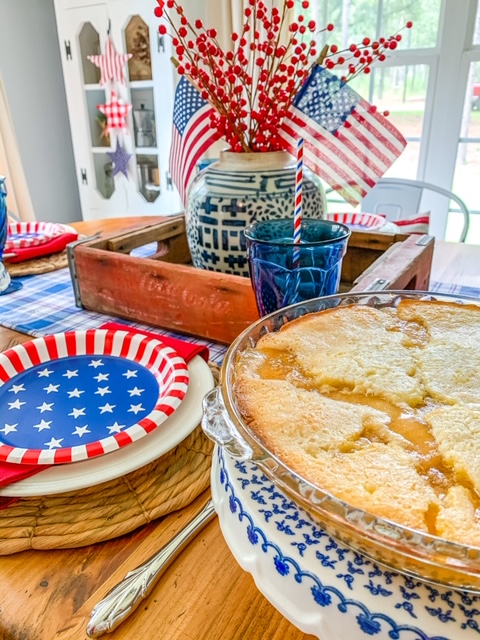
column 46, row 305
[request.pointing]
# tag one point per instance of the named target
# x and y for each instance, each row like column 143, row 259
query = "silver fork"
column 125, row 597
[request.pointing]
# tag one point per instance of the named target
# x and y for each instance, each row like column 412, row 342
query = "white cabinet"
column 143, row 185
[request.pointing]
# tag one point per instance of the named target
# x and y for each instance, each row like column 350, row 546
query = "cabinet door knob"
column 83, row 173
column 68, row 50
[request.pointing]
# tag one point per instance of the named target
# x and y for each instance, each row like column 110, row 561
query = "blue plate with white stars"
column 76, row 395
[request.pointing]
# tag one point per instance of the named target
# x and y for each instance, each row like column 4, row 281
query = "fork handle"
column 125, row 597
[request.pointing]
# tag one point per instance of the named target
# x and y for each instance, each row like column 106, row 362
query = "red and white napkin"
column 11, row 472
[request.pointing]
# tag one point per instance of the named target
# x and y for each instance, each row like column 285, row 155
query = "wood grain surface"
column 48, row 595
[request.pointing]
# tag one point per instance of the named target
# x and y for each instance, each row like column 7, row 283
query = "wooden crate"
column 164, row 290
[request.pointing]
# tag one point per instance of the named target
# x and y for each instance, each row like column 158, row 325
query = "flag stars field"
column 67, row 401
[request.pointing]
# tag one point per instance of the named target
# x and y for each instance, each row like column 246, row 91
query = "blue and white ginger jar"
column 231, row 193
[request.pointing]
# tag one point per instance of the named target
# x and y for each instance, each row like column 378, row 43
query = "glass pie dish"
column 403, row 549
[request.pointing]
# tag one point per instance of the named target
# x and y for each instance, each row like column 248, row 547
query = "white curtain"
column 227, row 16
column 18, row 199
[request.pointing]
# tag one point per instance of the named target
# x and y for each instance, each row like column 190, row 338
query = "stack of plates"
column 358, row 221
column 23, row 235
column 91, row 406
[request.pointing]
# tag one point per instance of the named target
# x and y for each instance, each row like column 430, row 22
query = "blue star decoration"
column 120, row 159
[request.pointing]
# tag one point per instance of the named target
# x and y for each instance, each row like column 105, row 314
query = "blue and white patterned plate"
column 323, row 587
column 77, row 395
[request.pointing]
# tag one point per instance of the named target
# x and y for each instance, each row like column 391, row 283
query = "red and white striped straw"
column 297, row 216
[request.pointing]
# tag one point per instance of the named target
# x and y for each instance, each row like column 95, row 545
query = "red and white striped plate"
column 77, row 395
column 354, row 220
column 30, row 234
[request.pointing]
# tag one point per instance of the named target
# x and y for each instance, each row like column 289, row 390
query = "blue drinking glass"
column 284, row 273
column 6, row 284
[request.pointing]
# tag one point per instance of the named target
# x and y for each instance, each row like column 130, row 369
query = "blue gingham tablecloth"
column 46, row 304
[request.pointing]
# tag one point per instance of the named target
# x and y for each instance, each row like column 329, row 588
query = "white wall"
column 32, row 74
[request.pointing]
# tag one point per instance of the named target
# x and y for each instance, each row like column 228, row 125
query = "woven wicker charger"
column 36, row 266
column 110, row 509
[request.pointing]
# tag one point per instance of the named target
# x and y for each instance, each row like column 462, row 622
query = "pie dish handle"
column 219, row 427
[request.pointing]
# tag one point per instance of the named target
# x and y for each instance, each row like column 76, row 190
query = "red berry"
column 162, row 29
column 409, row 24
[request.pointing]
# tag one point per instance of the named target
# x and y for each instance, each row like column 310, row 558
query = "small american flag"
column 192, row 134
column 347, row 143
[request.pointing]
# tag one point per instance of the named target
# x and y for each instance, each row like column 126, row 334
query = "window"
column 431, row 86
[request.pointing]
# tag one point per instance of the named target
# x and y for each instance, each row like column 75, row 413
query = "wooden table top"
column 204, row 594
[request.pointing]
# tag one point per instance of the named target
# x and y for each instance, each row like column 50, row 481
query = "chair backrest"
column 398, row 198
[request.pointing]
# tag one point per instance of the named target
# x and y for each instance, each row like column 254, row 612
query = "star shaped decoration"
column 116, row 112
column 71, row 374
column 130, row 374
column 54, row 443
column 77, row 412
column 9, row 427
column 45, row 406
column 17, row 387
column 101, row 377
column 120, row 159
column 80, row 431
column 45, row 373
column 110, row 63
column 15, row 405
column 107, row 407
column 115, row 427
column 51, row 388
column 43, row 424
column 96, row 363
column 135, row 391
column 102, row 391
column 136, row 408
column 76, row 393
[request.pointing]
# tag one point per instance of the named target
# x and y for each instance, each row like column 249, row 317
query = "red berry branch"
column 252, row 86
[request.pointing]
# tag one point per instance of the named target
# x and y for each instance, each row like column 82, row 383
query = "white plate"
column 87, row 473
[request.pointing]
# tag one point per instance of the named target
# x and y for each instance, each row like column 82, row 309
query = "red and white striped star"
column 111, row 63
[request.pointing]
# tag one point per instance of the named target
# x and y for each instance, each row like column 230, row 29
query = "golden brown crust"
column 379, row 407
